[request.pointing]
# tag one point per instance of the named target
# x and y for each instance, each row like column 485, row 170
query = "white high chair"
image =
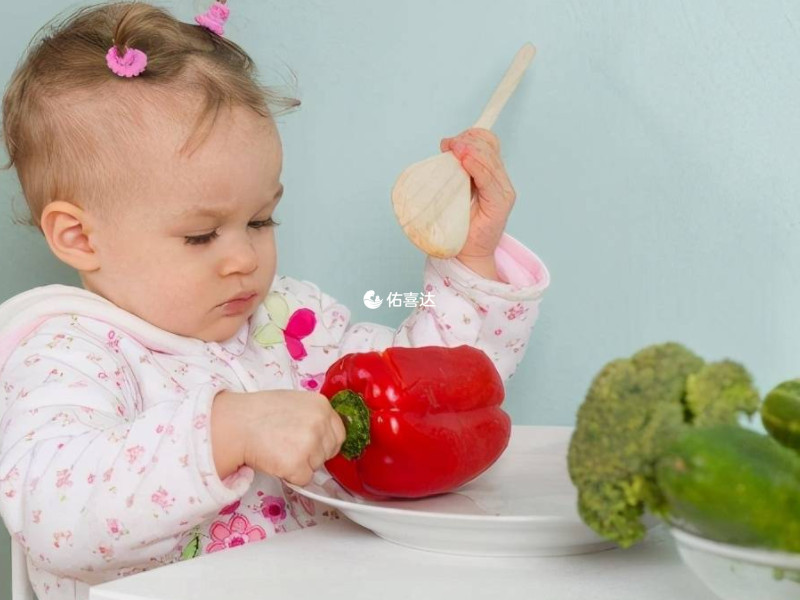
column 20, row 586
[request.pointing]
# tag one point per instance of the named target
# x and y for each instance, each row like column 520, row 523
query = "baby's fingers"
column 474, row 136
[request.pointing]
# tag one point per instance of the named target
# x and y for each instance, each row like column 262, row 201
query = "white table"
column 341, row 560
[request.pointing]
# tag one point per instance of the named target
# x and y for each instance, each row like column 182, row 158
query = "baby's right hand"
column 285, row 433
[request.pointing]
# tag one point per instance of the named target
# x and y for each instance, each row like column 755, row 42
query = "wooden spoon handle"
column 507, row 86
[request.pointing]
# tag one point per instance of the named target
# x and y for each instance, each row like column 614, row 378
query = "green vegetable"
column 733, row 485
column 634, row 410
column 780, row 413
column 718, row 393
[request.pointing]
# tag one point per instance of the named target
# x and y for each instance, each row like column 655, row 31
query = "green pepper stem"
column 355, row 415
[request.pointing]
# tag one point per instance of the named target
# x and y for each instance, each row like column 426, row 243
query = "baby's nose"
column 240, row 258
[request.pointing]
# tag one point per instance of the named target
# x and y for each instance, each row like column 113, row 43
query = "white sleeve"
column 494, row 316
column 89, row 480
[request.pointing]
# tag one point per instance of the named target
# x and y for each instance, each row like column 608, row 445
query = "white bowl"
column 739, row 572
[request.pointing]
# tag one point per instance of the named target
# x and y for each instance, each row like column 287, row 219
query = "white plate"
column 524, row 505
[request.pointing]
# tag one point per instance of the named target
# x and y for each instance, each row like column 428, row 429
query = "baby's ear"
column 66, row 228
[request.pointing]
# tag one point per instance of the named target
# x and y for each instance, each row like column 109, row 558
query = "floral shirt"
column 106, row 466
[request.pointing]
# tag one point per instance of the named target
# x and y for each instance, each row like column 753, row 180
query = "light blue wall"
column 653, row 145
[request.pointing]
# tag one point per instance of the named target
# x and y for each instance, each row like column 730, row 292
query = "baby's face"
column 195, row 231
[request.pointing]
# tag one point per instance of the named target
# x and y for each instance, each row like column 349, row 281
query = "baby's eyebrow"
column 217, row 213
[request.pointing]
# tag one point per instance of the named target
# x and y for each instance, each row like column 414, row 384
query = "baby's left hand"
column 479, row 152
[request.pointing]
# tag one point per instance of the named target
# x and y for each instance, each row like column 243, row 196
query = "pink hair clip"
column 132, row 63
column 215, row 17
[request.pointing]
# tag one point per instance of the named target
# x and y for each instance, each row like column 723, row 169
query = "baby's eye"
column 196, row 240
column 264, row 223
column 193, row 240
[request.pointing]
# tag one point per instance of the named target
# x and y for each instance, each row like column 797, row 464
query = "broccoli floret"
column 718, row 393
column 633, row 411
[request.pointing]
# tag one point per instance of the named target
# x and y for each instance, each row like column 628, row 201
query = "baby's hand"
column 479, row 152
column 285, row 433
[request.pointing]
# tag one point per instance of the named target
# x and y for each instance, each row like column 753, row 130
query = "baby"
column 154, row 414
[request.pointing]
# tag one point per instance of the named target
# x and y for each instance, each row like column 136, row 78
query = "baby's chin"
column 228, row 330
column 222, row 330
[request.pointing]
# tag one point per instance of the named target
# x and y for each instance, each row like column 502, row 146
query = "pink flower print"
column 63, row 478
column 300, row 325
column 56, row 340
column 32, row 360
column 515, row 311
column 169, row 429
column 95, row 358
column 37, row 516
column 90, row 479
column 61, row 536
column 200, row 421
column 313, row 382
column 115, row 528
column 107, row 475
column 516, row 344
column 273, row 508
column 231, row 508
column 277, row 366
column 161, row 497
column 338, row 318
column 236, row 532
column 112, row 341
column 12, row 475
column 119, row 378
column 134, row 453
column 498, row 332
column 54, row 374
column 107, row 552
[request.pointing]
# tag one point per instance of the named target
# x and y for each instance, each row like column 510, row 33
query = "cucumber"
column 780, row 413
column 733, row 485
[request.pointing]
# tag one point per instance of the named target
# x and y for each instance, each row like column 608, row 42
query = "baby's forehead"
column 167, row 131
column 164, row 160
column 167, row 120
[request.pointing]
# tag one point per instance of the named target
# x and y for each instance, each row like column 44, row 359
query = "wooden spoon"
column 431, row 198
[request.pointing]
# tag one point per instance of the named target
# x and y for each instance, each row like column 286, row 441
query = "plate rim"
column 427, row 514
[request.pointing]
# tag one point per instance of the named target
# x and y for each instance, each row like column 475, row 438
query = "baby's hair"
column 59, row 150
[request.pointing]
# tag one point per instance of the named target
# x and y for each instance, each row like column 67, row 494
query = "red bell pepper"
column 420, row 421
